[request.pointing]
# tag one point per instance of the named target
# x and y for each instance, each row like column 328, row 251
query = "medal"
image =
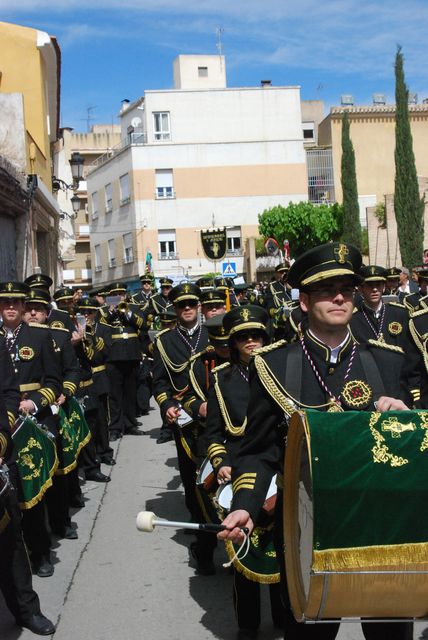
column 356, row 394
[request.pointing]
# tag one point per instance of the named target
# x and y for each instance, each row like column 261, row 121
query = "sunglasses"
column 187, row 303
column 244, row 336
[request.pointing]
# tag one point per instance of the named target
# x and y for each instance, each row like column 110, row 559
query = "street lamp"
column 76, row 163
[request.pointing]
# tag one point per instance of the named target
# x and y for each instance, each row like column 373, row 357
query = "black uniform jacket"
column 125, row 344
column 36, row 364
column 228, row 398
column 60, row 319
column 200, row 367
column 173, row 348
column 102, row 346
column 276, row 296
column 68, row 360
column 9, row 402
column 393, row 326
column 419, row 331
column 159, row 303
column 276, row 388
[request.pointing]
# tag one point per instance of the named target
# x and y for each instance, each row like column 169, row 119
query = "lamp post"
column 76, row 163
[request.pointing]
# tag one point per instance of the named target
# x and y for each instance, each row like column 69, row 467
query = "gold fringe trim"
column 4, row 521
column 64, row 470
column 261, row 578
column 31, row 503
column 83, row 443
column 381, row 556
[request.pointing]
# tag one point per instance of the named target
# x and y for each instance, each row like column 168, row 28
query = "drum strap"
column 293, row 374
column 372, row 374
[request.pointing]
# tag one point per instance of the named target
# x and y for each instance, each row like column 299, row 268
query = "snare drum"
column 206, row 485
column 355, row 518
column 206, row 476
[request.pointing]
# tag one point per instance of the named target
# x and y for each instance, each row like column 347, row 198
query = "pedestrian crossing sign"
column 228, row 269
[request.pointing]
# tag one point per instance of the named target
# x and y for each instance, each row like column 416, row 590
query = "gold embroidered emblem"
column 356, row 393
column 222, row 331
column 341, row 252
column 395, row 328
column 43, row 402
column 32, row 293
column 186, row 288
column 396, row 428
column 216, row 462
column 373, row 270
column 57, row 324
column 333, row 407
column 9, row 286
column 245, row 315
column 26, row 353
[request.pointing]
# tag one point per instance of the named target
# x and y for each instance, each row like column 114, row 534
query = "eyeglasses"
column 326, row 293
column 186, row 303
column 244, row 336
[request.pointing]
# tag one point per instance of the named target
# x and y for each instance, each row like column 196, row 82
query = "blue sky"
column 118, row 48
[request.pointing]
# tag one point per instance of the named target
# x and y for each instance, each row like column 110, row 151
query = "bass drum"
column 353, row 548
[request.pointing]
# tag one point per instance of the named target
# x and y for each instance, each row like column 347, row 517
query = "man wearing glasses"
column 326, row 370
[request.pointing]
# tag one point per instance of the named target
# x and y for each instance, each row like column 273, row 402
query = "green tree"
column 351, row 209
column 408, row 205
column 303, row 224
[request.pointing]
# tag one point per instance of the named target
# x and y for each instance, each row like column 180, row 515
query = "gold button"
column 331, row 370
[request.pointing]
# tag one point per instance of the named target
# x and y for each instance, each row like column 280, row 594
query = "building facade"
column 198, row 156
column 29, row 108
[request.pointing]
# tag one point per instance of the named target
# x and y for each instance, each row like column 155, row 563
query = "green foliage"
column 380, row 214
column 260, row 246
column 408, row 205
column 303, row 224
column 365, row 242
column 351, row 209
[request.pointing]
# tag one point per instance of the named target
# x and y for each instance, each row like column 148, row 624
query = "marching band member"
column 228, row 399
column 325, row 370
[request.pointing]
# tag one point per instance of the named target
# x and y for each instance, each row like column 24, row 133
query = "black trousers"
column 88, row 458
column 15, row 571
column 123, row 395
column 246, row 600
column 35, row 530
column 101, row 428
column 326, row 631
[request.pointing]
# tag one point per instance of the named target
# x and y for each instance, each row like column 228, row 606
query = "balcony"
column 112, row 263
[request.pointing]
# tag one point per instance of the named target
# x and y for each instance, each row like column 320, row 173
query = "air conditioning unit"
column 347, row 100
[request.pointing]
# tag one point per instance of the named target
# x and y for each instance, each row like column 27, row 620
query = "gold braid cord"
column 421, row 341
column 274, row 388
column 235, row 431
column 171, row 366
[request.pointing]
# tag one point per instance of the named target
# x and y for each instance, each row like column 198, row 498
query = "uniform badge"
column 57, row 324
column 341, row 252
column 44, row 402
column 186, row 288
column 245, row 315
column 395, row 328
column 26, row 353
column 216, row 462
column 356, row 394
column 9, row 287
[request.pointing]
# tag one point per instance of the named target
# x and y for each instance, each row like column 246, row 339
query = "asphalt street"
column 115, row 582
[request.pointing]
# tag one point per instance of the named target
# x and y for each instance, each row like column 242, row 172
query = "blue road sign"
column 228, row 269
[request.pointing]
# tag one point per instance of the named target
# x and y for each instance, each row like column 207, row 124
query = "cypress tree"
column 351, row 210
column 408, row 205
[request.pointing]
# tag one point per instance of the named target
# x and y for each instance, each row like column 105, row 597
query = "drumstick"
column 147, row 521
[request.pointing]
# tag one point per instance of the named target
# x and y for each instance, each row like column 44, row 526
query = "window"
column 319, row 163
column 164, row 184
column 111, row 253
column 68, row 274
column 124, row 189
column 161, row 126
column 84, row 230
column 167, row 244
column 233, row 239
column 109, row 197
column 94, row 199
column 128, row 251
column 203, row 72
column 308, row 131
column 97, row 251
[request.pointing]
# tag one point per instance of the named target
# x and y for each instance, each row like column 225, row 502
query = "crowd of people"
column 227, row 365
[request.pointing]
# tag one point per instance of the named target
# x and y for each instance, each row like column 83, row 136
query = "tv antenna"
column 89, row 117
column 219, row 31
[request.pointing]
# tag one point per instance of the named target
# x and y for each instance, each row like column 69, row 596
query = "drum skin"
column 389, row 591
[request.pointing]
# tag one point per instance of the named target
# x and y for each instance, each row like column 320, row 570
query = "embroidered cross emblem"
column 245, row 314
column 341, row 252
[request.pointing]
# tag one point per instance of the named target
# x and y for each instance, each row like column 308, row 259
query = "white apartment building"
column 199, row 155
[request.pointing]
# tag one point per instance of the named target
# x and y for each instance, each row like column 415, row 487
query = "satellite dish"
column 136, row 122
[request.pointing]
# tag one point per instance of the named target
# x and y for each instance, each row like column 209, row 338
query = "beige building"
column 74, row 245
column 372, row 130
column 29, row 108
column 200, row 155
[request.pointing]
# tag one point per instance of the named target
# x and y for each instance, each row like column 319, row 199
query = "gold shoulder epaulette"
column 220, row 367
column 39, row 326
column 269, row 347
column 420, row 312
column 385, row 345
column 396, row 304
column 207, row 349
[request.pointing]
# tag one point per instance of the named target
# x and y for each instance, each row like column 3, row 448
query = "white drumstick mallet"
column 147, row 521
